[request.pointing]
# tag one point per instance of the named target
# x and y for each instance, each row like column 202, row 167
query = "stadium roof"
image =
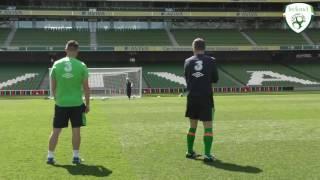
column 55, row 13
column 215, row 1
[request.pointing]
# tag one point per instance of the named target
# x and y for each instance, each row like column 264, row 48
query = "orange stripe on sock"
column 208, row 134
column 191, row 134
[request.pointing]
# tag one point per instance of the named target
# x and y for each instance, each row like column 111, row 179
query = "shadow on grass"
column 233, row 167
column 86, row 170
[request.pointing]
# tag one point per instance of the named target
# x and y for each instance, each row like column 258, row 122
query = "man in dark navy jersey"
column 129, row 86
column 200, row 72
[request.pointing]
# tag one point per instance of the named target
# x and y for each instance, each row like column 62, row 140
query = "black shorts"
column 200, row 108
column 128, row 92
column 63, row 114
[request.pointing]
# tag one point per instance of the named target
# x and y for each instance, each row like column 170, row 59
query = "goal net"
column 111, row 82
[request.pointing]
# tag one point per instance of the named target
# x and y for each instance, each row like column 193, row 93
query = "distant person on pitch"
column 129, row 86
column 200, row 72
column 69, row 81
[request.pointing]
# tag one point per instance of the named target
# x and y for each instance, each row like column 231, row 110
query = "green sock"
column 190, row 139
column 207, row 139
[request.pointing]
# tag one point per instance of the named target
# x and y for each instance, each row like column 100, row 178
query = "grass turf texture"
column 256, row 137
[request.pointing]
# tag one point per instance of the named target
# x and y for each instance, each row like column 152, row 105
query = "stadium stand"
column 239, row 71
column 39, row 32
column 41, row 37
column 222, row 37
column 276, row 37
column 156, row 81
column 226, row 81
column 213, row 37
column 171, row 74
column 21, row 77
column 3, row 35
column 314, row 34
column 171, row 70
column 308, row 69
column 132, row 38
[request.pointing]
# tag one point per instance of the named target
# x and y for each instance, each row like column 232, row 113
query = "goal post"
column 111, row 82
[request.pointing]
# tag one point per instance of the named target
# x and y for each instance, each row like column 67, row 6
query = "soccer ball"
column 299, row 19
column 104, row 98
column 297, row 26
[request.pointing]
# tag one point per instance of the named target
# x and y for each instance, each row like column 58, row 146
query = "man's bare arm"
column 86, row 90
column 53, row 87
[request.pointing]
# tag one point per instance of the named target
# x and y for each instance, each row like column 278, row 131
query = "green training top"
column 69, row 74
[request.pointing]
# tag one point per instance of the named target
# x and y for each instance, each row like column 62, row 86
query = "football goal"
column 111, row 82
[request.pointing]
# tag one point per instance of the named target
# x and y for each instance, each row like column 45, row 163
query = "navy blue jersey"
column 200, row 72
column 129, row 84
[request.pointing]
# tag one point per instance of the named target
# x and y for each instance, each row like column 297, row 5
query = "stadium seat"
column 314, row 34
column 3, row 35
column 310, row 69
column 40, row 37
column 213, row 37
column 132, row 38
column 276, row 37
column 169, row 79
column 240, row 72
column 18, row 77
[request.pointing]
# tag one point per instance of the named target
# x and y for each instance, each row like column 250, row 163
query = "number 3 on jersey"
column 68, row 67
column 198, row 66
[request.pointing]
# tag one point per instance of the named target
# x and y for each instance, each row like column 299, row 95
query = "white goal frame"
column 110, row 72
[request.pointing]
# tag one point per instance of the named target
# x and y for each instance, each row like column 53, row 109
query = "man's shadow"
column 86, row 170
column 233, row 167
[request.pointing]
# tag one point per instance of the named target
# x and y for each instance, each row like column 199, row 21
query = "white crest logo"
column 298, row 16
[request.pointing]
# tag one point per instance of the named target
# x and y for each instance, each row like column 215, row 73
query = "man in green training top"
column 69, row 81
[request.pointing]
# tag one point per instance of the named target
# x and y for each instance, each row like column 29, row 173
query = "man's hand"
column 86, row 89
column 87, row 109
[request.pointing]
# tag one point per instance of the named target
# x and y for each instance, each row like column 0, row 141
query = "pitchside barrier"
column 157, row 91
column 219, row 90
column 162, row 48
column 24, row 92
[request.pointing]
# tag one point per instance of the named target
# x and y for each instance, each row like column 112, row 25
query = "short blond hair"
column 199, row 44
column 72, row 44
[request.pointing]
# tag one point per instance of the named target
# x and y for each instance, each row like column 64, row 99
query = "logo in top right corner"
column 298, row 16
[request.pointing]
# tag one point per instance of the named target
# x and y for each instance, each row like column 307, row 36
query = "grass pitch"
column 256, row 137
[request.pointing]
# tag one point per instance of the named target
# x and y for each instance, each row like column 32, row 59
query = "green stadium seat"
column 133, row 38
column 9, row 72
column 154, row 81
column 314, row 34
column 311, row 69
column 223, row 37
column 41, row 37
column 239, row 71
column 276, row 37
column 3, row 35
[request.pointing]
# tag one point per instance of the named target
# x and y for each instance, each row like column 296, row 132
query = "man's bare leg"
column 76, row 140
column 193, row 123
column 207, row 124
column 53, row 141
